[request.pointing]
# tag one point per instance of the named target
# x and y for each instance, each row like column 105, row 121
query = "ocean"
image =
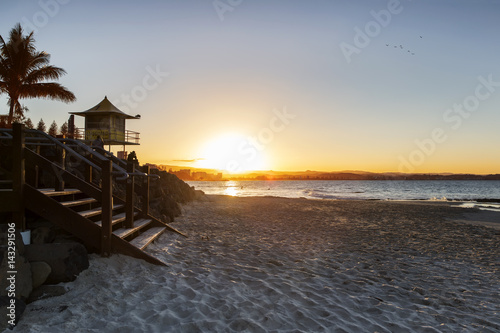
column 486, row 192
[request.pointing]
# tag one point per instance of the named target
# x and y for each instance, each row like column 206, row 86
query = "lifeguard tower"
column 108, row 122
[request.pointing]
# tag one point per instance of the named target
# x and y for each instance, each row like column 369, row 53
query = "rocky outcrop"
column 66, row 260
column 25, row 269
column 167, row 193
column 42, row 235
column 40, row 271
column 46, row 291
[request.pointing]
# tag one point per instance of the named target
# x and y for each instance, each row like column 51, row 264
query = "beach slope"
column 264, row 264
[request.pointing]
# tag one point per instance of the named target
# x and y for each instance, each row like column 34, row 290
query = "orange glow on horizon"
column 231, row 153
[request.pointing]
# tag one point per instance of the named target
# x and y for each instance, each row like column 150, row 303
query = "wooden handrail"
column 89, row 189
column 107, row 208
column 18, row 175
column 129, row 197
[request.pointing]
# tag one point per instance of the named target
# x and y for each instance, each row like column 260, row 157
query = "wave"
column 439, row 191
column 332, row 195
column 495, row 207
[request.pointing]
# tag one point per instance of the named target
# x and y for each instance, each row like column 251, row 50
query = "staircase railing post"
column 18, row 175
column 129, row 199
column 61, row 160
column 37, row 169
column 145, row 192
column 107, row 207
column 88, row 170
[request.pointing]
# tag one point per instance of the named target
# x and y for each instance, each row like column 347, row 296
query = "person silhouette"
column 98, row 143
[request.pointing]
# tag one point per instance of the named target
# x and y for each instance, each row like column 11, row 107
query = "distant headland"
column 197, row 174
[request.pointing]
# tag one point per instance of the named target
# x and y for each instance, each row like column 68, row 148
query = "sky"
column 288, row 85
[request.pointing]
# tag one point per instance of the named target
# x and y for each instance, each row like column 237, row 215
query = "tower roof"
column 105, row 107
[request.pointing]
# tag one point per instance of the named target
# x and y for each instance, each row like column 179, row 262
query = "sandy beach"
column 264, row 264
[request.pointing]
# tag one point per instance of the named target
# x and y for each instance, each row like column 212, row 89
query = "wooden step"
column 139, row 224
column 6, row 190
column 147, row 237
column 78, row 202
column 117, row 218
column 96, row 211
column 52, row 193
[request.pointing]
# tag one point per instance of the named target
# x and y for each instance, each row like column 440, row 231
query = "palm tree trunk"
column 11, row 113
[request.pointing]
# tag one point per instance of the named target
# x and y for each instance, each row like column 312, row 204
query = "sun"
column 232, row 153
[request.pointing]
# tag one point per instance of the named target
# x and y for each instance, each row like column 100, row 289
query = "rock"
column 66, row 260
column 40, row 271
column 199, row 195
column 42, row 235
column 10, row 311
column 21, row 276
column 63, row 238
column 46, row 291
column 167, row 192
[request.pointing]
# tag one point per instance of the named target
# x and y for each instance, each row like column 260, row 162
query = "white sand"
column 293, row 265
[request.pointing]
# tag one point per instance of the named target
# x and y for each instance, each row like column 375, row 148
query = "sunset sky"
column 289, row 85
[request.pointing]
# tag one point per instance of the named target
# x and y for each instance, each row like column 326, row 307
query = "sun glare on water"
column 233, row 153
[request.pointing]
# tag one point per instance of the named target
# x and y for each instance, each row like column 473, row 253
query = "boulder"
column 46, row 291
column 167, row 192
column 66, row 260
column 10, row 311
column 40, row 271
column 64, row 238
column 42, row 235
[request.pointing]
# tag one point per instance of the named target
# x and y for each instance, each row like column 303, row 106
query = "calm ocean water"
column 457, row 190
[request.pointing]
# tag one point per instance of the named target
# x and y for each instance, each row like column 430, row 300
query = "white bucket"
column 26, row 237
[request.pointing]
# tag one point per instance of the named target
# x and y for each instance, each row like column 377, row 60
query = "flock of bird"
column 401, row 47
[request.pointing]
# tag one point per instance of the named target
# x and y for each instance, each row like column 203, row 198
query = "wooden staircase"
column 7, row 200
column 103, row 221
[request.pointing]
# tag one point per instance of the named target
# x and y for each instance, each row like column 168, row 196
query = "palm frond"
column 23, row 71
column 44, row 73
column 48, row 90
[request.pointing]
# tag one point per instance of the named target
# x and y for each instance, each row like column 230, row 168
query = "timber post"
column 37, row 169
column 107, row 207
column 145, row 191
column 129, row 197
column 88, row 170
column 61, row 160
column 18, row 175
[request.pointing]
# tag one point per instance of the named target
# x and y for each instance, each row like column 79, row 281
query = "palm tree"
column 24, row 70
